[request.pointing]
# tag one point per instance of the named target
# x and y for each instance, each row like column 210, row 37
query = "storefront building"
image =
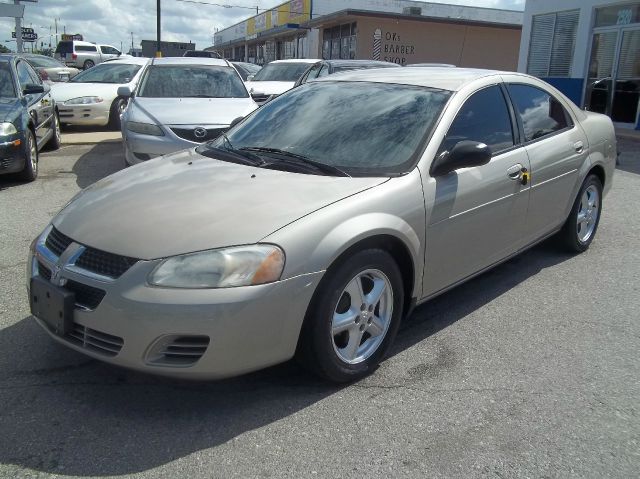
column 403, row 32
column 590, row 50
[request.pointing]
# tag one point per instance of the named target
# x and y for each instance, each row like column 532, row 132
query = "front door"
column 476, row 216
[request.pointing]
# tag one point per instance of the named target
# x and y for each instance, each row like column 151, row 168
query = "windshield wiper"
column 298, row 159
column 230, row 153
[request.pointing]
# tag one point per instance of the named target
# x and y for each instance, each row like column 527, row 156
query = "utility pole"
column 132, row 41
column 158, row 52
column 18, row 30
column 55, row 20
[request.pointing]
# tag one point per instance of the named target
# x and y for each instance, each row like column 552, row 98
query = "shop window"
column 552, row 42
column 618, row 15
column 339, row 42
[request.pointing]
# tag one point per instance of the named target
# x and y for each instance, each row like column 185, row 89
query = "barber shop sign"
column 389, row 47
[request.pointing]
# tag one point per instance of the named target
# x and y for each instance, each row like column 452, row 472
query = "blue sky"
column 112, row 21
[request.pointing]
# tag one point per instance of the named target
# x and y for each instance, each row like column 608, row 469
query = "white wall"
column 583, row 35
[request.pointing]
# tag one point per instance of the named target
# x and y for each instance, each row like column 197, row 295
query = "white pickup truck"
column 79, row 54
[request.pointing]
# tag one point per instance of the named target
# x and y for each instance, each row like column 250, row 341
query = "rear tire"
column 30, row 171
column 117, row 107
column 580, row 228
column 353, row 317
column 56, row 139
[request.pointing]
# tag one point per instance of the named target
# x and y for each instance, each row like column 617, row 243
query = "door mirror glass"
column 236, row 121
column 464, row 154
column 250, row 77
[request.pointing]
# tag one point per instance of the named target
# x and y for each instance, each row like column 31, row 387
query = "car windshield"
column 44, row 62
column 7, row 87
column 281, row 72
column 108, row 73
column 364, row 129
column 192, row 81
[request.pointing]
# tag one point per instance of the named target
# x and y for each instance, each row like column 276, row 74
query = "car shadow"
column 629, row 159
column 66, row 413
column 101, row 160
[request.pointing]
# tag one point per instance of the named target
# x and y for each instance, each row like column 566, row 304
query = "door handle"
column 579, row 146
column 515, row 172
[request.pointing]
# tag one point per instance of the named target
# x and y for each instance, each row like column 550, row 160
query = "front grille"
column 96, row 341
column 179, row 350
column 189, row 134
column 86, row 296
column 56, row 242
column 106, row 264
column 93, row 260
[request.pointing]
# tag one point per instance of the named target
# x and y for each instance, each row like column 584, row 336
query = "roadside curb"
column 90, row 142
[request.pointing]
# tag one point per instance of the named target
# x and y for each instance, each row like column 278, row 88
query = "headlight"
column 221, row 268
column 144, row 128
column 7, row 129
column 84, row 100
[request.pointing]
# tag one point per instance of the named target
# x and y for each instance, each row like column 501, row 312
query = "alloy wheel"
column 588, row 213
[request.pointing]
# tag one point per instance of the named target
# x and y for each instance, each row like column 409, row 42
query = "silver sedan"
column 314, row 226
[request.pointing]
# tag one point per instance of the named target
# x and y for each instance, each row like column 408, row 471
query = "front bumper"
column 12, row 155
column 139, row 148
column 96, row 114
column 234, row 330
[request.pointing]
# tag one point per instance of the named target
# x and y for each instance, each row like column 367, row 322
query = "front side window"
column 541, row 113
column 108, row 73
column 109, row 50
column 24, row 76
column 192, row 81
column 376, row 129
column 281, row 72
column 484, row 117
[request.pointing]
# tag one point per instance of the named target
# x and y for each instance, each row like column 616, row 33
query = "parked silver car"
column 316, row 224
column 181, row 103
column 50, row 69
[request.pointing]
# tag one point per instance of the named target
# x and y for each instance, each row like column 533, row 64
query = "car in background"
column 329, row 67
column 200, row 54
column 28, row 118
column 91, row 97
column 246, row 69
column 84, row 55
column 181, row 103
column 276, row 77
column 49, row 68
column 316, row 224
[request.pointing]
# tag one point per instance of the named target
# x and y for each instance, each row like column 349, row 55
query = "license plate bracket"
column 52, row 304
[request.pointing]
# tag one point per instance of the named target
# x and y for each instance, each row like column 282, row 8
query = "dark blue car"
column 28, row 118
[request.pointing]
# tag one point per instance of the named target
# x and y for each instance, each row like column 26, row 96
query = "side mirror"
column 236, row 121
column 32, row 89
column 464, row 154
column 125, row 91
column 250, row 77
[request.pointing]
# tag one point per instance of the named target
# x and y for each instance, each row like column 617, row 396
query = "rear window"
column 44, row 62
column 64, row 47
column 192, row 81
column 281, row 72
column 108, row 73
column 86, row 48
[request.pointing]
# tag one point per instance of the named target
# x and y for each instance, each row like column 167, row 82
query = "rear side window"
column 484, row 117
column 64, row 47
column 86, row 48
column 540, row 112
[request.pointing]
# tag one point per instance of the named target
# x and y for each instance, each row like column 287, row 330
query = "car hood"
column 194, row 111
column 62, row 92
column 9, row 108
column 186, row 202
column 269, row 87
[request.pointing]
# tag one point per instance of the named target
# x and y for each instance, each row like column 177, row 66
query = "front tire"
column 89, row 64
column 56, row 139
column 353, row 317
column 117, row 108
column 580, row 228
column 30, row 171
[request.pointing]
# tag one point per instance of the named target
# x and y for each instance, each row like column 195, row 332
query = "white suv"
column 84, row 55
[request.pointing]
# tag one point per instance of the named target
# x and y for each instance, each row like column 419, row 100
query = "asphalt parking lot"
column 531, row 370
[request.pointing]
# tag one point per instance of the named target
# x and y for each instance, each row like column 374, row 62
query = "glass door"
column 626, row 94
column 599, row 91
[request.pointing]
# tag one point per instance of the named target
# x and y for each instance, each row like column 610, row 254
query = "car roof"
column 190, row 61
column 129, row 60
column 340, row 63
column 298, row 60
column 443, row 78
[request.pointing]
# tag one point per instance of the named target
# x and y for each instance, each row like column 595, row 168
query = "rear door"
column 557, row 146
column 477, row 215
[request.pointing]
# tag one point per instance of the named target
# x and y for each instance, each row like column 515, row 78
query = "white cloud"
column 111, row 21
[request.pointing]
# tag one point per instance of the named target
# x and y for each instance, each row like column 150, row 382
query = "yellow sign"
column 294, row 11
